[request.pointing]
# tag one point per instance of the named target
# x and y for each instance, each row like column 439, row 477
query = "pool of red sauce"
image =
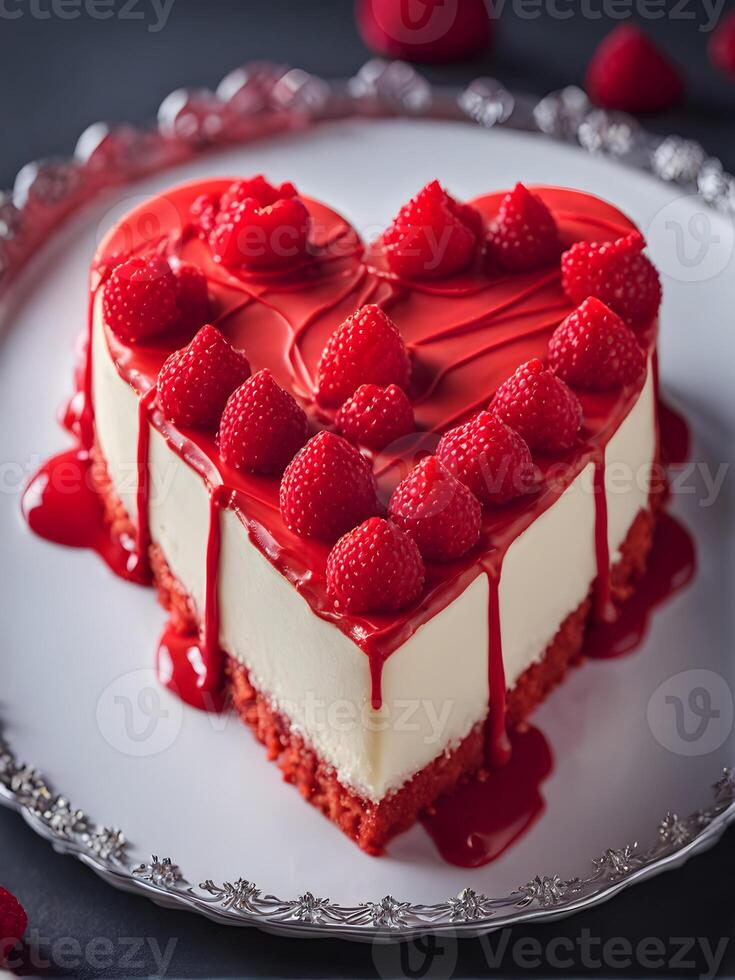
column 465, row 335
column 485, row 815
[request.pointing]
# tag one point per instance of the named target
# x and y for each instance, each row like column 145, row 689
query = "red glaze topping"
column 594, row 349
column 375, row 567
column 192, row 298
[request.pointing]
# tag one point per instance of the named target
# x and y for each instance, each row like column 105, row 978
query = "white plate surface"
column 199, row 789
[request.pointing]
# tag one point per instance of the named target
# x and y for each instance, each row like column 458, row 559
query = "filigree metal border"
column 254, row 101
column 242, row 902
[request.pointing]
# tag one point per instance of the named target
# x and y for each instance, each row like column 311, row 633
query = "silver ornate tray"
column 242, row 902
column 252, row 103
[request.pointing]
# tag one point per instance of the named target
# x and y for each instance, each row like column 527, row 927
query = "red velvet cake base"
column 369, row 824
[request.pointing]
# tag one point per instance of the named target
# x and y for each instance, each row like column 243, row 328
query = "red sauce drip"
column 498, row 747
column 143, row 537
column 61, row 505
column 183, row 666
column 671, row 566
column 673, row 434
column 210, row 646
column 192, row 666
column 604, row 609
column 482, row 817
column 376, row 680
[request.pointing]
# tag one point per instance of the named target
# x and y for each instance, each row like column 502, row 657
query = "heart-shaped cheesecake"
column 370, row 477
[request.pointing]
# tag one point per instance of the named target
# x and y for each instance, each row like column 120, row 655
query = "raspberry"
column 440, row 513
column 192, row 298
column 490, row 459
column 540, row 407
column 375, row 568
column 432, row 236
column 433, row 32
column 259, row 225
column 722, row 45
column 139, row 298
column 259, row 189
column 524, row 235
column 196, row 381
column 262, row 427
column 375, row 417
column 13, row 923
column 366, row 348
column 327, row 489
column 616, row 273
column 628, row 72
column 593, row 348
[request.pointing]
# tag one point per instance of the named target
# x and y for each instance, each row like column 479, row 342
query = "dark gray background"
column 61, row 75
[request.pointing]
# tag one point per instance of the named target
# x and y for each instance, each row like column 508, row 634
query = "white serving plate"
column 79, row 698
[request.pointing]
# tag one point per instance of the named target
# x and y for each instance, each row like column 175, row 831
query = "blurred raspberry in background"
column 13, row 923
column 722, row 46
column 425, row 30
column 628, row 72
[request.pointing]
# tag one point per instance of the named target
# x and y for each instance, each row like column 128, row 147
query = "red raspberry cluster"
column 328, row 489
